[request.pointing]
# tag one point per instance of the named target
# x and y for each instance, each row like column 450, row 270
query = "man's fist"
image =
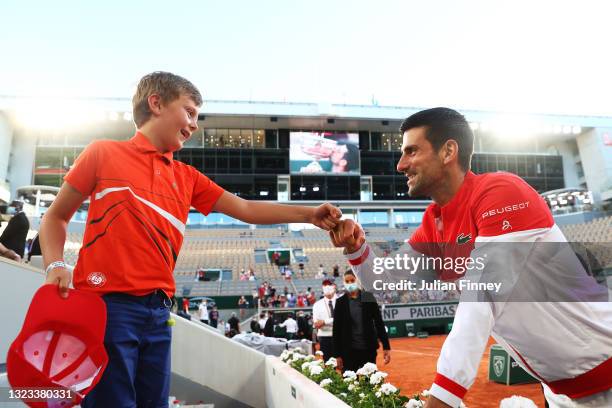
column 347, row 234
column 326, row 216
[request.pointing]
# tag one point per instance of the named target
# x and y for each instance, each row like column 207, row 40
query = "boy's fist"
column 326, row 216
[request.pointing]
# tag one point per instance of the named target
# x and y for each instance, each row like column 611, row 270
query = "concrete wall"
column 19, row 282
column 285, row 387
column 21, row 164
column 567, row 151
column 204, row 356
column 596, row 160
column 6, row 138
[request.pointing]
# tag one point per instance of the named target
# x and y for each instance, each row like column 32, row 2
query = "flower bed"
column 365, row 388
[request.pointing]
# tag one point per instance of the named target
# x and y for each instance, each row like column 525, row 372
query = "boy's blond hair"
column 168, row 86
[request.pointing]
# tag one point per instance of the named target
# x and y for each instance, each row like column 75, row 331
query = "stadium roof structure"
column 307, row 110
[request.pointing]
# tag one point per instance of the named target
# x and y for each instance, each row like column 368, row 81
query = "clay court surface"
column 413, row 367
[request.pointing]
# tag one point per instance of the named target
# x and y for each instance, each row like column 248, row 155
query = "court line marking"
column 415, row 353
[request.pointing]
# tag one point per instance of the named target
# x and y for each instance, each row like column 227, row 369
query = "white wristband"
column 56, row 264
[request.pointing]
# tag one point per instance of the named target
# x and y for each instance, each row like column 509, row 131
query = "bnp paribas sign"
column 417, row 312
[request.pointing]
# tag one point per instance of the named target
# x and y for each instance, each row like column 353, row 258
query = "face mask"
column 351, row 287
column 329, row 290
column 11, row 211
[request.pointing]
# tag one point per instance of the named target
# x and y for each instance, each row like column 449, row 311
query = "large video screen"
column 324, row 153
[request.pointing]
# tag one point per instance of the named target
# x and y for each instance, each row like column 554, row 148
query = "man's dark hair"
column 444, row 124
column 349, row 272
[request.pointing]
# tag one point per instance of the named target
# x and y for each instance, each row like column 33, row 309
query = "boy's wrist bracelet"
column 53, row 265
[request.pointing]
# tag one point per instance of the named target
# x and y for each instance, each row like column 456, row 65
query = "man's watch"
column 56, row 264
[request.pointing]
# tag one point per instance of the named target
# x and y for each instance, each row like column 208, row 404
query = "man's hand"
column 348, row 234
column 326, row 216
column 10, row 254
column 387, row 356
column 319, row 323
column 433, row 402
column 60, row 277
column 339, row 363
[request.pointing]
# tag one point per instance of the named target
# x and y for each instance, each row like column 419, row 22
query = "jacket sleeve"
column 462, row 351
column 317, row 312
column 338, row 328
column 380, row 326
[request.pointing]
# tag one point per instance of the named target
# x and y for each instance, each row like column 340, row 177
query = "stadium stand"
column 234, row 249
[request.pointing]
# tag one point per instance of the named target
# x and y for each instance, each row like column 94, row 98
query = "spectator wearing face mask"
column 357, row 327
column 303, row 327
column 323, row 317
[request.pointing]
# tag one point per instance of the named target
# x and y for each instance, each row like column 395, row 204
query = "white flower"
column 332, row 362
column 325, row 382
column 377, row 377
column 305, row 365
column 309, row 357
column 343, row 394
column 349, row 374
column 361, row 395
column 351, row 387
column 414, row 404
column 426, row 393
column 285, row 355
column 387, row 389
column 348, row 380
column 378, row 394
column 319, row 353
column 315, row 369
column 296, row 356
column 367, row 369
column 516, row 402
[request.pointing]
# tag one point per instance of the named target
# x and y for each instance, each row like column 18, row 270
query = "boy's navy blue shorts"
column 137, row 341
